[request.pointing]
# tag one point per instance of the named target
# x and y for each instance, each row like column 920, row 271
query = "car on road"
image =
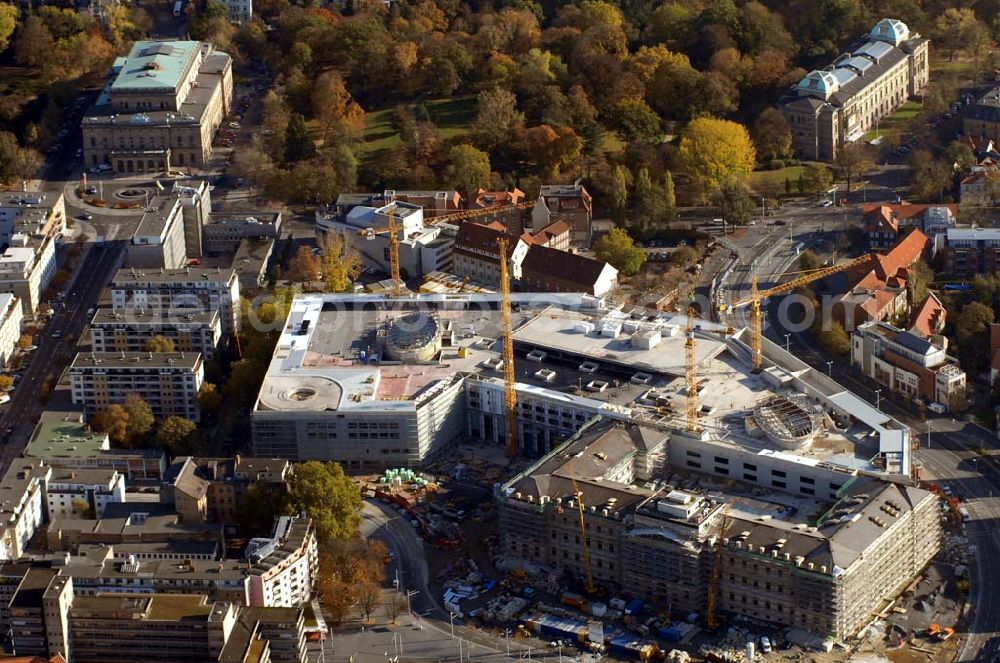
column 765, row 644
column 780, row 222
column 57, row 334
column 86, row 216
column 103, row 167
column 937, row 408
column 91, row 190
column 826, row 203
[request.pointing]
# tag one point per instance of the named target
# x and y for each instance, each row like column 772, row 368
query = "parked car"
column 91, row 190
column 86, row 216
column 765, row 644
column 937, row 408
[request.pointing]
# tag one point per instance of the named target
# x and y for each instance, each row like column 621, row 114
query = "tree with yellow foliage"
column 713, row 150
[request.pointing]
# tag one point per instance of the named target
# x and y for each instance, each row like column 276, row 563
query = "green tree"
column 178, row 436
column 972, row 334
column 834, row 339
column 853, row 161
column 929, row 177
column 618, row 192
column 618, row 249
column 960, row 154
column 16, row 162
column 468, row 169
column 496, row 117
column 259, row 506
column 8, row 21
column 112, row 420
column 808, row 261
column 712, row 151
column 140, row 418
column 650, row 203
column 159, row 344
column 816, row 178
column 329, row 497
column 33, row 43
column 735, row 202
column 209, row 398
column 771, row 135
column 669, row 196
column 634, row 120
column 921, row 276
column 339, row 263
column 299, row 144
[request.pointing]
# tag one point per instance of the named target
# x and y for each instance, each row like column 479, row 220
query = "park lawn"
column 22, row 83
column 775, row 178
column 896, row 122
column 451, row 116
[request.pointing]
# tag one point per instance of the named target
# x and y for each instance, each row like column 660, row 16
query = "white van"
column 937, row 408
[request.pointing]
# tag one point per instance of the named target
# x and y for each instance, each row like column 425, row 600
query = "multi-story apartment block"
column 203, row 289
column 564, row 202
column 169, row 231
column 240, row 11
column 223, row 234
column 832, row 107
column 477, row 252
column 11, row 315
column 26, row 268
column 981, row 187
column 982, row 119
column 22, row 505
column 63, row 440
column 971, row 251
column 908, row 364
column 130, row 330
column 160, row 108
column 31, row 213
column 168, row 381
column 283, row 567
column 869, row 539
column 81, row 492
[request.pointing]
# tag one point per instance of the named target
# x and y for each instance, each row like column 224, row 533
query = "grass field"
column 452, row 117
column 896, row 122
column 775, row 178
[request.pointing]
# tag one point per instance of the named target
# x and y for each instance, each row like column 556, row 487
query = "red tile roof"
column 929, row 317
column 902, row 211
column 567, row 270
column 484, row 198
column 551, row 231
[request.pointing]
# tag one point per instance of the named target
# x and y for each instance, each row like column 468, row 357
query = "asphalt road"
column 429, row 634
column 946, row 455
column 52, row 354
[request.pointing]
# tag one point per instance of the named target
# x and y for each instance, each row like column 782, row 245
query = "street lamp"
column 829, row 369
column 788, row 338
column 506, row 633
column 878, row 398
column 451, row 618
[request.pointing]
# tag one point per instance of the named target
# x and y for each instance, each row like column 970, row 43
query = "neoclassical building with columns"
column 160, row 108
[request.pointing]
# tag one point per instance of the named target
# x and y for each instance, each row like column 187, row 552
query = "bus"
column 178, row 6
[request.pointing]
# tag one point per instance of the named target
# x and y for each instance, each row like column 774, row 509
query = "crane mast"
column 509, row 392
column 583, row 538
column 691, row 373
column 710, row 617
column 756, row 295
column 394, row 254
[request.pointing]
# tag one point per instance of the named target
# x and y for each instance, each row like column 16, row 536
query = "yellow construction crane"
column 509, row 392
column 391, row 230
column 583, row 539
column 691, row 372
column 756, row 295
column 474, row 213
column 710, row 617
